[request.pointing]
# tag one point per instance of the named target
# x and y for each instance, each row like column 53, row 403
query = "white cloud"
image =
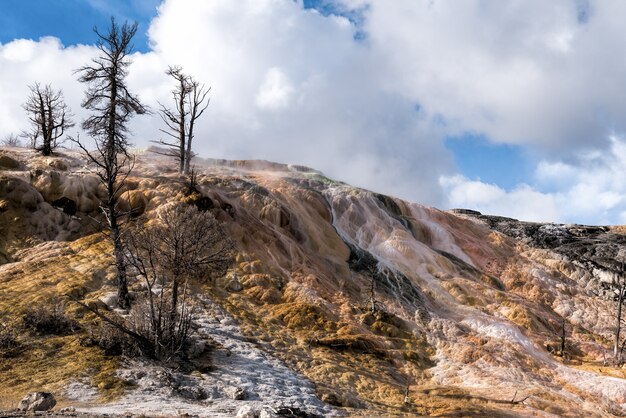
column 522, row 203
column 519, row 71
column 24, row 62
column 591, row 189
column 275, row 92
column 291, row 85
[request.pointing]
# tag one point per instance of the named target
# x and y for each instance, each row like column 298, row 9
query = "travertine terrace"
column 467, row 304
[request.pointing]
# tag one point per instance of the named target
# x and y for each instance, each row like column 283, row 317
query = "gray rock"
column 110, row 300
column 195, row 393
column 234, row 286
column 248, row 411
column 267, row 412
column 238, row 394
column 8, row 162
column 37, row 401
column 595, row 252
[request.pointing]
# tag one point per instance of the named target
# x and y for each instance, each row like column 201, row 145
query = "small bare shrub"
column 9, row 343
column 49, row 319
column 111, row 340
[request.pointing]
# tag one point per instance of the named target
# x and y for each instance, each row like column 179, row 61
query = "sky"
column 511, row 108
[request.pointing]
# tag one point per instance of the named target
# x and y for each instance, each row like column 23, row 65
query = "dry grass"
column 48, row 364
column 44, row 273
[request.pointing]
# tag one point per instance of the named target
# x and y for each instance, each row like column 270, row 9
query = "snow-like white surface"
column 610, row 389
column 81, row 391
column 237, row 364
column 505, row 332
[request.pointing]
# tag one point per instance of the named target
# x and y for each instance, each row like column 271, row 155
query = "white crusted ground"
column 237, row 364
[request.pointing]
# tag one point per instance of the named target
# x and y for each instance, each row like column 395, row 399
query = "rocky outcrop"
column 598, row 251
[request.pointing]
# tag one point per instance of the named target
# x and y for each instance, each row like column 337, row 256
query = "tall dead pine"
column 621, row 288
column 112, row 106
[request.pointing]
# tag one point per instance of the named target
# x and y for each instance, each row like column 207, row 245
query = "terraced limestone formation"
column 341, row 302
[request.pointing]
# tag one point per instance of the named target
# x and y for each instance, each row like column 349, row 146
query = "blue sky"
column 479, row 159
column 529, row 91
column 72, row 21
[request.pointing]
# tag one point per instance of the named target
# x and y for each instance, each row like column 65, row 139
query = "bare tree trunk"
column 563, row 338
column 176, row 119
column 112, row 105
column 372, row 300
column 197, row 98
column 618, row 325
column 182, row 126
column 188, row 153
column 120, row 264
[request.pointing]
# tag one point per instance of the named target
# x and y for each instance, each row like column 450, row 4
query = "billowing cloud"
column 24, row 62
column 370, row 102
column 276, row 90
column 546, row 74
column 291, row 85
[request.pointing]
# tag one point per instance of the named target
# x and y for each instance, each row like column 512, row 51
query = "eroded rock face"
column 37, row 401
column 599, row 251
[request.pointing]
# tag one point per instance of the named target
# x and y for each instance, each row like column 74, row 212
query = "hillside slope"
column 466, row 304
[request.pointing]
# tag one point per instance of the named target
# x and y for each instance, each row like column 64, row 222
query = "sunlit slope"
column 462, row 317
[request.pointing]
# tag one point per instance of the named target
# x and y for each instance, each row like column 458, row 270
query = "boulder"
column 110, row 300
column 195, row 393
column 268, row 413
column 37, row 401
column 67, row 410
column 8, row 162
column 237, row 393
column 234, row 285
column 58, row 164
column 248, row 411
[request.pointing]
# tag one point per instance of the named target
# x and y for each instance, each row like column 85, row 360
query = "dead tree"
column 176, row 120
column 197, row 106
column 49, row 117
column 182, row 244
column 563, row 338
column 112, row 106
column 516, row 401
column 621, row 294
column 372, row 297
column 11, row 140
column 190, row 98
